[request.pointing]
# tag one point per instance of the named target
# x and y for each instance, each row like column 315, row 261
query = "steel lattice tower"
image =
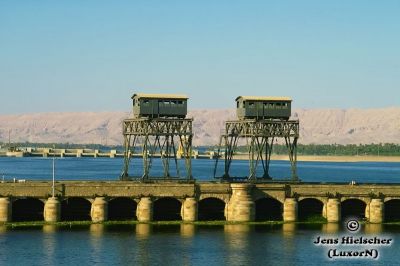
column 259, row 136
column 161, row 136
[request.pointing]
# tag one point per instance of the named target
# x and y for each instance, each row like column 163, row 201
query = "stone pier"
column 189, row 210
column 144, row 211
column 99, row 210
column 5, row 210
column 52, row 210
column 241, row 205
column 333, row 210
column 290, row 210
column 376, row 211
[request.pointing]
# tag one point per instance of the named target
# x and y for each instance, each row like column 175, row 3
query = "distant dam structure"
column 93, row 153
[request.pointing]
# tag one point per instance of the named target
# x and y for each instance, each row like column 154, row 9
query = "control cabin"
column 253, row 107
column 159, row 105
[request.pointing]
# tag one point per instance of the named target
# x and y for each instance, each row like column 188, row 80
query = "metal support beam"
column 158, row 136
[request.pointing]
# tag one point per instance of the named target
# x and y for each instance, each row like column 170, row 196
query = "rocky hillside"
column 317, row 126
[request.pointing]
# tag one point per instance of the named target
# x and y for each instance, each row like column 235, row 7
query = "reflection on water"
column 237, row 243
column 96, row 230
column 97, row 246
column 49, row 228
column 49, row 243
column 331, row 228
column 187, row 230
column 374, row 229
column 179, row 244
column 3, row 229
column 143, row 231
column 289, row 229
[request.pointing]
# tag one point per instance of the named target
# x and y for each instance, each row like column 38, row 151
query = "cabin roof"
column 263, row 98
column 159, row 96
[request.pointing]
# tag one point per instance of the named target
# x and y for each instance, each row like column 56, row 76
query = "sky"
column 92, row 55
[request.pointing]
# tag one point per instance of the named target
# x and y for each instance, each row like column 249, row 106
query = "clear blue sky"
column 92, row 55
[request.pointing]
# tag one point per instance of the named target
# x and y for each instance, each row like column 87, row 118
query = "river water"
column 187, row 244
column 31, row 168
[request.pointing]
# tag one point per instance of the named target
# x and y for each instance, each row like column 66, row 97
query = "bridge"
column 100, row 201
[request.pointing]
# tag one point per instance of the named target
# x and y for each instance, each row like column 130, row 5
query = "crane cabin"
column 159, row 105
column 253, row 107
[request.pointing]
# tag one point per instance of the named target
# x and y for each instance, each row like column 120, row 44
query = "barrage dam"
column 100, row 201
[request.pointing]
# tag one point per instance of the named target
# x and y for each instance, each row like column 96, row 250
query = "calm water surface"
column 184, row 244
column 110, row 169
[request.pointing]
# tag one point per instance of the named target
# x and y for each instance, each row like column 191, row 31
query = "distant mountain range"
column 319, row 126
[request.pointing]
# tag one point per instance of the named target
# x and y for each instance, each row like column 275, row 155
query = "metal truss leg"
column 292, row 147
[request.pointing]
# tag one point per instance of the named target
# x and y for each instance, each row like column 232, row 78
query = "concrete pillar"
column 79, row 153
column 5, row 210
column 189, row 210
column 52, row 210
column 376, row 211
column 211, row 155
column 241, row 205
column 333, row 210
column 99, row 210
column 144, row 211
column 290, row 210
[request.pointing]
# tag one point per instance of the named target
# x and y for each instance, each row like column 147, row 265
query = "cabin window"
column 237, row 104
column 173, row 102
column 251, row 105
column 285, row 105
column 180, row 102
column 146, row 102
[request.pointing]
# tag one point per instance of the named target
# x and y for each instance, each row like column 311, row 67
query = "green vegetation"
column 314, row 219
column 311, row 220
column 63, row 146
column 381, row 149
column 387, row 149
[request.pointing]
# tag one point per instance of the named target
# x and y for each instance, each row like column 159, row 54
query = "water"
column 184, row 244
column 109, row 169
column 187, row 244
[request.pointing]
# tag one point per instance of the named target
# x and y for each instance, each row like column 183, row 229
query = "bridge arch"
column 75, row 209
column 27, row 209
column 392, row 210
column 211, row 209
column 122, row 209
column 310, row 208
column 167, row 209
column 268, row 209
column 353, row 207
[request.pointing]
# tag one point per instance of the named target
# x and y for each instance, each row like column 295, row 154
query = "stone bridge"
column 201, row 201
